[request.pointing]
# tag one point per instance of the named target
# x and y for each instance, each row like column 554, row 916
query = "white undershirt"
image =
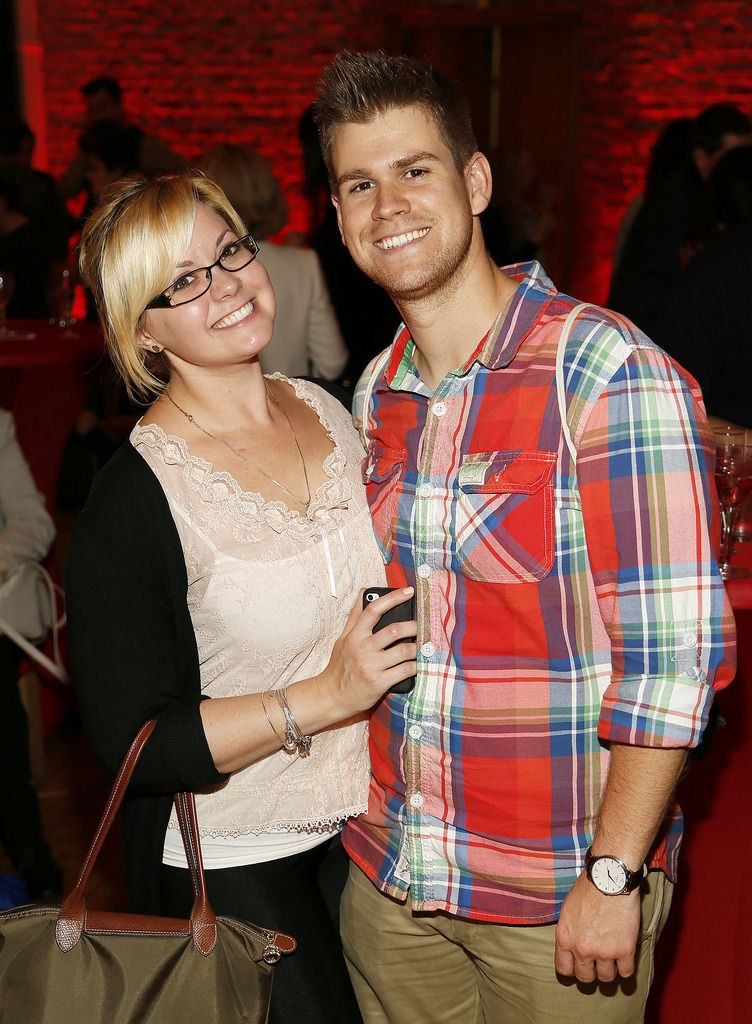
column 235, row 851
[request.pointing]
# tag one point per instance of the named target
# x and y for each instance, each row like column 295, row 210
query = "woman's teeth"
column 236, row 317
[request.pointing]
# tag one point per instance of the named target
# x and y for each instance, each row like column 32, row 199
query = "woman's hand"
column 241, row 730
column 361, row 669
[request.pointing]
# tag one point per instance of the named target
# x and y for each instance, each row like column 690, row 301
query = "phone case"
column 401, row 613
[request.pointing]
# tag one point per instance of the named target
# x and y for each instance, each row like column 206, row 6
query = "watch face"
column 608, row 875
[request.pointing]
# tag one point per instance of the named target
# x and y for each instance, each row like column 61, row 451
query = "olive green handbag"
column 60, row 965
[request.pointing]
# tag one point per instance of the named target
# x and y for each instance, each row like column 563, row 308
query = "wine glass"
column 7, row 284
column 62, row 295
column 743, row 528
column 733, row 477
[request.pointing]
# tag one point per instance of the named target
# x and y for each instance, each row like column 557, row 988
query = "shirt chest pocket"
column 505, row 516
column 381, row 474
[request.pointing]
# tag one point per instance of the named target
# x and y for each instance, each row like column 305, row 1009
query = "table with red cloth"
column 702, row 961
column 46, row 376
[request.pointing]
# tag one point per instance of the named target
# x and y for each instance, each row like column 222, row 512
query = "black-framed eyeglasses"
column 194, row 283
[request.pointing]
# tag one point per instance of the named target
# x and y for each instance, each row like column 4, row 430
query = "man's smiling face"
column 404, row 210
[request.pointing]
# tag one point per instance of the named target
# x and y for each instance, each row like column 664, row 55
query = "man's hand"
column 596, row 936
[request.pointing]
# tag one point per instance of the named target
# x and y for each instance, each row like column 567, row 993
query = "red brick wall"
column 642, row 65
column 197, row 74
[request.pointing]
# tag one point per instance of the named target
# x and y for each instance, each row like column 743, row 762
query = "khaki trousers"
column 433, row 968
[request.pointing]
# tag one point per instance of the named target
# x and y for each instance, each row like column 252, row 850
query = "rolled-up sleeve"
column 645, row 473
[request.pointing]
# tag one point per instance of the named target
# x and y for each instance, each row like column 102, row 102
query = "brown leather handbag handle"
column 74, row 918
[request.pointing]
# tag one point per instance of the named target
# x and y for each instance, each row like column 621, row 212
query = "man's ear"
column 335, row 204
column 479, row 181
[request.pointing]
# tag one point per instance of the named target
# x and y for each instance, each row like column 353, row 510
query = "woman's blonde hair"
column 249, row 183
column 128, row 252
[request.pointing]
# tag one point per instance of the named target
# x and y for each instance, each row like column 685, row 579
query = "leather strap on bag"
column 74, row 918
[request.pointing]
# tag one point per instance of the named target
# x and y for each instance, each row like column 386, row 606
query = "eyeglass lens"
column 190, row 286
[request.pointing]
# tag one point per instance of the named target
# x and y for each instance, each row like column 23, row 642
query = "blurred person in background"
column 36, row 192
column 307, row 339
column 650, row 263
column 704, row 324
column 103, row 101
column 110, row 152
column 27, row 252
column 522, row 213
column 26, row 534
column 671, row 153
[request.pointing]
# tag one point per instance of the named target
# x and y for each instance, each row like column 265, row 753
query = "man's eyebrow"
column 413, row 158
column 189, row 263
column 359, row 173
column 356, row 174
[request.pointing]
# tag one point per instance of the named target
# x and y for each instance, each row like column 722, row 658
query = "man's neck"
column 447, row 328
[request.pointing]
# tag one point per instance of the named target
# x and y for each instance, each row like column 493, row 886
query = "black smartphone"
column 400, row 613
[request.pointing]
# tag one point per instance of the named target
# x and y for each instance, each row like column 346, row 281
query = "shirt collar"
column 498, row 348
column 534, row 292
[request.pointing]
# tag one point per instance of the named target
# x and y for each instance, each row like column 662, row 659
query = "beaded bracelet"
column 294, row 738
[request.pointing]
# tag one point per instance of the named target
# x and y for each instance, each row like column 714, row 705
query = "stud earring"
column 156, row 348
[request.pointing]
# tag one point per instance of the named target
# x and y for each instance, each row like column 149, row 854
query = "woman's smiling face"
column 231, row 322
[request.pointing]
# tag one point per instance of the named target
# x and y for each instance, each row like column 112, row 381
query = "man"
column 26, row 252
column 705, row 317
column 37, row 194
column 103, row 101
column 571, row 620
column 650, row 263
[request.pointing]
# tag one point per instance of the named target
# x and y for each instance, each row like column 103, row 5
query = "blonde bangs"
column 129, row 248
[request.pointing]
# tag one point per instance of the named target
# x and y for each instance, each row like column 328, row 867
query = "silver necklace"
column 306, row 502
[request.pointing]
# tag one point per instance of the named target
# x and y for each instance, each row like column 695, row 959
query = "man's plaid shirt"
column 558, row 611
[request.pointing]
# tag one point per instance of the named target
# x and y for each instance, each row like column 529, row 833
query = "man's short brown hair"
column 357, row 87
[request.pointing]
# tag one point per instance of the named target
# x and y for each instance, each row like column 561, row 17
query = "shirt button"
column 425, row 491
column 424, row 571
column 690, row 640
column 427, row 650
column 439, row 409
column 416, row 800
column 415, row 732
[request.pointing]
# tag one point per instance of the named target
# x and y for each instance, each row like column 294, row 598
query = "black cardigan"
column 134, row 657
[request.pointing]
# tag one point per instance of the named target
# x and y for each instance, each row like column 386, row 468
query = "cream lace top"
column 269, row 592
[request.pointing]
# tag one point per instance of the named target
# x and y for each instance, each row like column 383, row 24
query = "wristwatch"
column 611, row 876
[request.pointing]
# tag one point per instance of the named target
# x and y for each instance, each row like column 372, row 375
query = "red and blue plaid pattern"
column 558, row 611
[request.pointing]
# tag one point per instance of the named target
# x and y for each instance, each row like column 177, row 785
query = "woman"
column 307, row 338
column 219, row 556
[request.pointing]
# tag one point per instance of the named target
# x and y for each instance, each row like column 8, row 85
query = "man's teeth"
column 395, row 240
column 233, row 318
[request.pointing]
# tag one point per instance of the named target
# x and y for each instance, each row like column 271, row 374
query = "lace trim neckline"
column 335, row 489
